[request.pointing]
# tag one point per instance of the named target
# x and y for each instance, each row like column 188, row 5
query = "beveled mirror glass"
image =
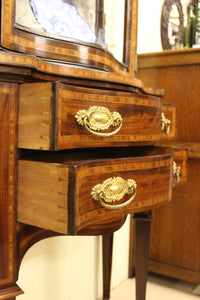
column 99, row 22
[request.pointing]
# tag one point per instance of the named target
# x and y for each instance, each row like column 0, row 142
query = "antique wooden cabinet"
column 175, row 243
column 77, row 131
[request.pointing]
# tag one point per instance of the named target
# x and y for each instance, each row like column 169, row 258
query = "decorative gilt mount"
column 113, row 190
column 165, row 124
column 176, row 171
column 99, row 118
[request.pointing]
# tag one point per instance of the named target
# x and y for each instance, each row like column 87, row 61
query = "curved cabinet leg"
column 142, row 236
column 8, row 255
column 107, row 264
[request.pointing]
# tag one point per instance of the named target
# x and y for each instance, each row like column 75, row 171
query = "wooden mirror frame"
column 18, row 38
column 165, row 21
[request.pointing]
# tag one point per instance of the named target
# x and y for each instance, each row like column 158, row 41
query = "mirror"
column 80, row 21
column 172, row 25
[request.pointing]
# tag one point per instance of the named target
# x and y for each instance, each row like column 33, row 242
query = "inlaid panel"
column 8, row 122
column 70, row 193
column 55, row 116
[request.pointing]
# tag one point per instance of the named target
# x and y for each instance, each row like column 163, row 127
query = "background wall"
column 71, row 267
column 149, row 18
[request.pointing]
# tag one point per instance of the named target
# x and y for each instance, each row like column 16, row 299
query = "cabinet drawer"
column 55, row 116
column 72, row 193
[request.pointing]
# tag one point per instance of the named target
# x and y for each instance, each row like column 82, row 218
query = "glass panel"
column 90, row 21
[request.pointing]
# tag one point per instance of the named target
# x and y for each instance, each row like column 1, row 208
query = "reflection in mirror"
column 64, row 19
column 100, row 22
column 172, row 25
column 59, row 17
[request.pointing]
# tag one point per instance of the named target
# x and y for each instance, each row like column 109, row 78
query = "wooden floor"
column 158, row 288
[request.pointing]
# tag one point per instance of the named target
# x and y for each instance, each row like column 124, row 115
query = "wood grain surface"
column 52, row 206
column 175, row 243
column 17, row 38
column 8, row 117
column 54, row 187
column 47, row 117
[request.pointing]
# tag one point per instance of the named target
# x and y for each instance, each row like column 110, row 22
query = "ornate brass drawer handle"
column 165, row 124
column 176, row 171
column 113, row 190
column 99, row 118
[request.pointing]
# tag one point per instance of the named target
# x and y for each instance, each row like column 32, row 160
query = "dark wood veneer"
column 20, row 39
column 55, row 105
column 18, row 240
column 175, row 242
column 8, row 148
column 88, row 76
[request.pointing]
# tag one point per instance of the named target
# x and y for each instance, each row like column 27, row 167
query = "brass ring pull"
column 165, row 124
column 113, row 190
column 176, row 171
column 99, row 118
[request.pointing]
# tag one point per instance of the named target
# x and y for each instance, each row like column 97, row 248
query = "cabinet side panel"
column 8, row 94
column 43, row 195
column 35, row 116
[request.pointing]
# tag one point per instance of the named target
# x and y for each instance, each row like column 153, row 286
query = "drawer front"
column 55, row 116
column 71, row 198
column 153, row 178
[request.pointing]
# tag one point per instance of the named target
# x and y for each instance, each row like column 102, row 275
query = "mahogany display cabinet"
column 68, row 92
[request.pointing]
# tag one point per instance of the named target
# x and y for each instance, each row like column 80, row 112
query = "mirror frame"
column 165, row 21
column 18, row 38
